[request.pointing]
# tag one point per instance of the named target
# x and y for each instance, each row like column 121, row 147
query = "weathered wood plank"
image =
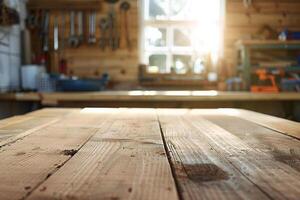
column 53, row 112
column 12, row 135
column 18, row 127
column 281, row 125
column 124, row 160
column 5, row 123
column 276, row 179
column 28, row 162
column 278, row 124
column 201, row 171
column 282, row 147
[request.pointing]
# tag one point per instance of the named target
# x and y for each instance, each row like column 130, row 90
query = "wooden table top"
column 98, row 153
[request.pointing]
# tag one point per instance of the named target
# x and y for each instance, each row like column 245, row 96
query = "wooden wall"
column 91, row 61
column 243, row 23
column 122, row 65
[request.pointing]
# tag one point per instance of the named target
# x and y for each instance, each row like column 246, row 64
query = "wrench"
column 73, row 39
column 112, row 33
column 80, row 26
column 55, row 34
column 92, row 28
column 114, row 38
column 46, row 19
column 125, row 6
column 63, row 24
column 103, row 27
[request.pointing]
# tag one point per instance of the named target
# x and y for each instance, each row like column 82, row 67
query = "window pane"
column 156, row 37
column 182, row 37
column 181, row 9
column 181, row 63
column 158, row 9
column 199, row 66
column 198, row 10
column 159, row 61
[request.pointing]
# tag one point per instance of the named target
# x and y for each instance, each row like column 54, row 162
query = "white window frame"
column 170, row 25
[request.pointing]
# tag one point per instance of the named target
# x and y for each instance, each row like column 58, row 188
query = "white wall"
column 10, row 51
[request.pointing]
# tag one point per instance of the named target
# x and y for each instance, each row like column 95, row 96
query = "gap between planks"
column 200, row 170
column 276, row 179
column 28, row 162
column 179, row 177
column 190, row 139
column 126, row 157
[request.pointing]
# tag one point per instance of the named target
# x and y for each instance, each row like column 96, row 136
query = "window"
column 177, row 33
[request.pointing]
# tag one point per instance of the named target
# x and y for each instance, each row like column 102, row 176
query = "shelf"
column 268, row 44
column 65, row 4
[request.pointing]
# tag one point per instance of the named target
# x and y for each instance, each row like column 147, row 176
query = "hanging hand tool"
column 114, row 38
column 55, row 58
column 124, row 7
column 32, row 21
column 73, row 39
column 63, row 31
column 45, row 32
column 55, row 34
column 62, row 68
column 103, row 27
column 80, row 26
column 247, row 3
column 92, row 28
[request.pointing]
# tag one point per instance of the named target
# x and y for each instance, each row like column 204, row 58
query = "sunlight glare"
column 206, row 37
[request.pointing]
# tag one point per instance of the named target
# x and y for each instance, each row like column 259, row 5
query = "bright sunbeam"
column 206, row 37
column 178, row 32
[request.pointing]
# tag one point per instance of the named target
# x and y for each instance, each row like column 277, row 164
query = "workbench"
column 286, row 104
column 148, row 96
column 103, row 153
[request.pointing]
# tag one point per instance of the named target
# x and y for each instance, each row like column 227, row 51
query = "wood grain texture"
column 103, row 153
column 245, row 22
column 15, row 128
column 154, row 95
column 53, row 112
column 282, row 147
column 278, row 124
column 124, row 160
column 90, row 61
column 276, row 179
column 159, row 95
column 201, row 171
column 28, row 162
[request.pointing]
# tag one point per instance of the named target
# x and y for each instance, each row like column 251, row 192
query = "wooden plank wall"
column 122, row 65
column 243, row 23
column 91, row 61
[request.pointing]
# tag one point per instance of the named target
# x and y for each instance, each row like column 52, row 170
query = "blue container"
column 295, row 35
column 83, row 85
column 290, row 85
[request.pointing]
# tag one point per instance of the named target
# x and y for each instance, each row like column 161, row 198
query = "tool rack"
column 88, row 61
